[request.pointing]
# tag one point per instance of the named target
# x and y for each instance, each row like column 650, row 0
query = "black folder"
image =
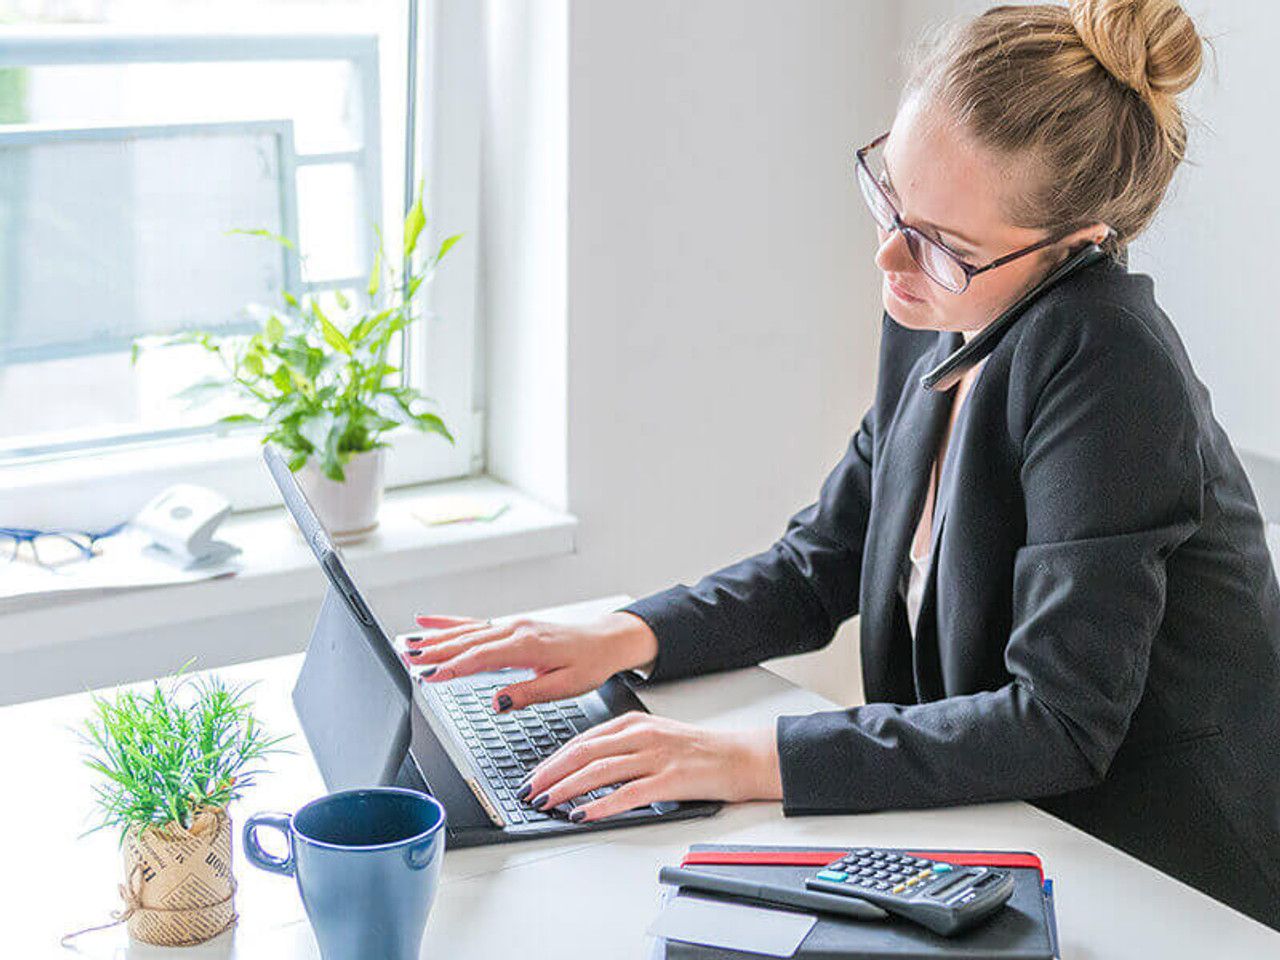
column 1025, row 929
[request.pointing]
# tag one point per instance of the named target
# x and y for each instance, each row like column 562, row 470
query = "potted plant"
column 170, row 762
column 318, row 382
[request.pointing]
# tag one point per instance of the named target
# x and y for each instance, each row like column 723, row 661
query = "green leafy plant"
column 318, row 380
column 188, row 745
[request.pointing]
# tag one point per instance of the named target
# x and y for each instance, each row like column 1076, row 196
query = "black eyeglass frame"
column 968, row 269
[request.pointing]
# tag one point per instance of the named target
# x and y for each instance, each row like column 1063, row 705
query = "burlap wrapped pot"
column 178, row 887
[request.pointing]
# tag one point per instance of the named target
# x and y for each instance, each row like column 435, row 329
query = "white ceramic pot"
column 348, row 509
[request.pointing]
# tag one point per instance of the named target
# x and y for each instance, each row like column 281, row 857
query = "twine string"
column 131, row 894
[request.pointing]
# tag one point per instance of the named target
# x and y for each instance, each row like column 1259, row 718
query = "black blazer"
column 1100, row 627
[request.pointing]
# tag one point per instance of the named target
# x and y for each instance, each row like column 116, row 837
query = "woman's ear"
column 1093, row 233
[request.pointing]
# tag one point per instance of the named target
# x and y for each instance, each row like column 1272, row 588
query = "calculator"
column 944, row 898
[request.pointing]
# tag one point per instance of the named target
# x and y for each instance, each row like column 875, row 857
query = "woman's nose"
column 893, row 255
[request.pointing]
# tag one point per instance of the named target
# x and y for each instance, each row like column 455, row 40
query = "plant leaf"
column 413, row 224
column 332, row 335
column 315, row 429
column 446, row 246
column 430, row 423
column 375, row 275
column 253, row 363
column 202, row 390
column 283, row 241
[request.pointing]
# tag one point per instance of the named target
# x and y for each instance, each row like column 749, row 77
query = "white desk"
column 588, row 896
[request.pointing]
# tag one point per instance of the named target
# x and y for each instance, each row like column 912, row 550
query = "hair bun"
column 1150, row 46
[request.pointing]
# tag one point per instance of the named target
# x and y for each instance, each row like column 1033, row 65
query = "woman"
column 1064, row 590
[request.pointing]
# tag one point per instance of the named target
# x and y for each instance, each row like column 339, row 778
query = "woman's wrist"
column 630, row 640
column 758, row 764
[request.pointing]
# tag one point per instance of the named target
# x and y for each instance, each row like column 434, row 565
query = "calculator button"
column 942, row 867
column 831, row 875
column 899, row 888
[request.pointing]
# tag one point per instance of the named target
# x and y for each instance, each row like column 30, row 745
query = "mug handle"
column 253, row 850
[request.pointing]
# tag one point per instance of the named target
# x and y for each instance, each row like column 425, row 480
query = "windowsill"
column 277, row 567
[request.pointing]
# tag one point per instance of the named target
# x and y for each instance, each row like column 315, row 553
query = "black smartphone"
column 946, row 374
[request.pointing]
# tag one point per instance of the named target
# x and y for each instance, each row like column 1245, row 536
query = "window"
column 126, row 157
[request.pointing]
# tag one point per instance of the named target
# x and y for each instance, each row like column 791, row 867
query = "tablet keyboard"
column 507, row 746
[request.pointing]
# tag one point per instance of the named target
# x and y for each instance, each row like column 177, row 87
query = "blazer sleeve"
column 788, row 599
column 1111, row 476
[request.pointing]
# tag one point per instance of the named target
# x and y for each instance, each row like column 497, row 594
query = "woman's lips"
column 902, row 294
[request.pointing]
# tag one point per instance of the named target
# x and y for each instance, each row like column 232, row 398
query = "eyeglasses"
column 52, row 549
column 941, row 265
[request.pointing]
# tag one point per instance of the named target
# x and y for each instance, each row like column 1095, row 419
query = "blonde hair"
column 1086, row 95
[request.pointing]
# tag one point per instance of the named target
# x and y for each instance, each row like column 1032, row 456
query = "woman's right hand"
column 567, row 659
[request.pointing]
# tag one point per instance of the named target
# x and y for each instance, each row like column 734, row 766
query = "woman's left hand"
column 654, row 758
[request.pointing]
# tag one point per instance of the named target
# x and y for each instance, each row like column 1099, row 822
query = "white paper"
column 732, row 926
column 127, row 561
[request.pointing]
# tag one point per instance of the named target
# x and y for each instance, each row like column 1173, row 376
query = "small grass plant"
column 188, row 745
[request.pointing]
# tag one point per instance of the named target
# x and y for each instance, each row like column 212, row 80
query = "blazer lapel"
column 929, row 678
column 900, row 481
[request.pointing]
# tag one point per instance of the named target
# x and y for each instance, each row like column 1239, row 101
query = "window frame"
column 96, row 485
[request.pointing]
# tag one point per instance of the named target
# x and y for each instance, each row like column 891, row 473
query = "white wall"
column 524, row 279
column 1213, row 250
column 722, row 307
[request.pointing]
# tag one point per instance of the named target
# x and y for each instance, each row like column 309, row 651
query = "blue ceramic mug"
column 367, row 863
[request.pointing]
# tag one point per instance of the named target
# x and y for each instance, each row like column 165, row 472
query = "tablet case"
column 1025, row 929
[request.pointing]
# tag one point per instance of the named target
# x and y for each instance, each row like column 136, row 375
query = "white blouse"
column 915, row 588
column 912, row 586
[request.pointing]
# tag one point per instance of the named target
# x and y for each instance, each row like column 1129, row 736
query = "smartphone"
column 948, row 373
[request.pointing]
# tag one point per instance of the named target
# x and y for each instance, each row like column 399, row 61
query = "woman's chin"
column 912, row 315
